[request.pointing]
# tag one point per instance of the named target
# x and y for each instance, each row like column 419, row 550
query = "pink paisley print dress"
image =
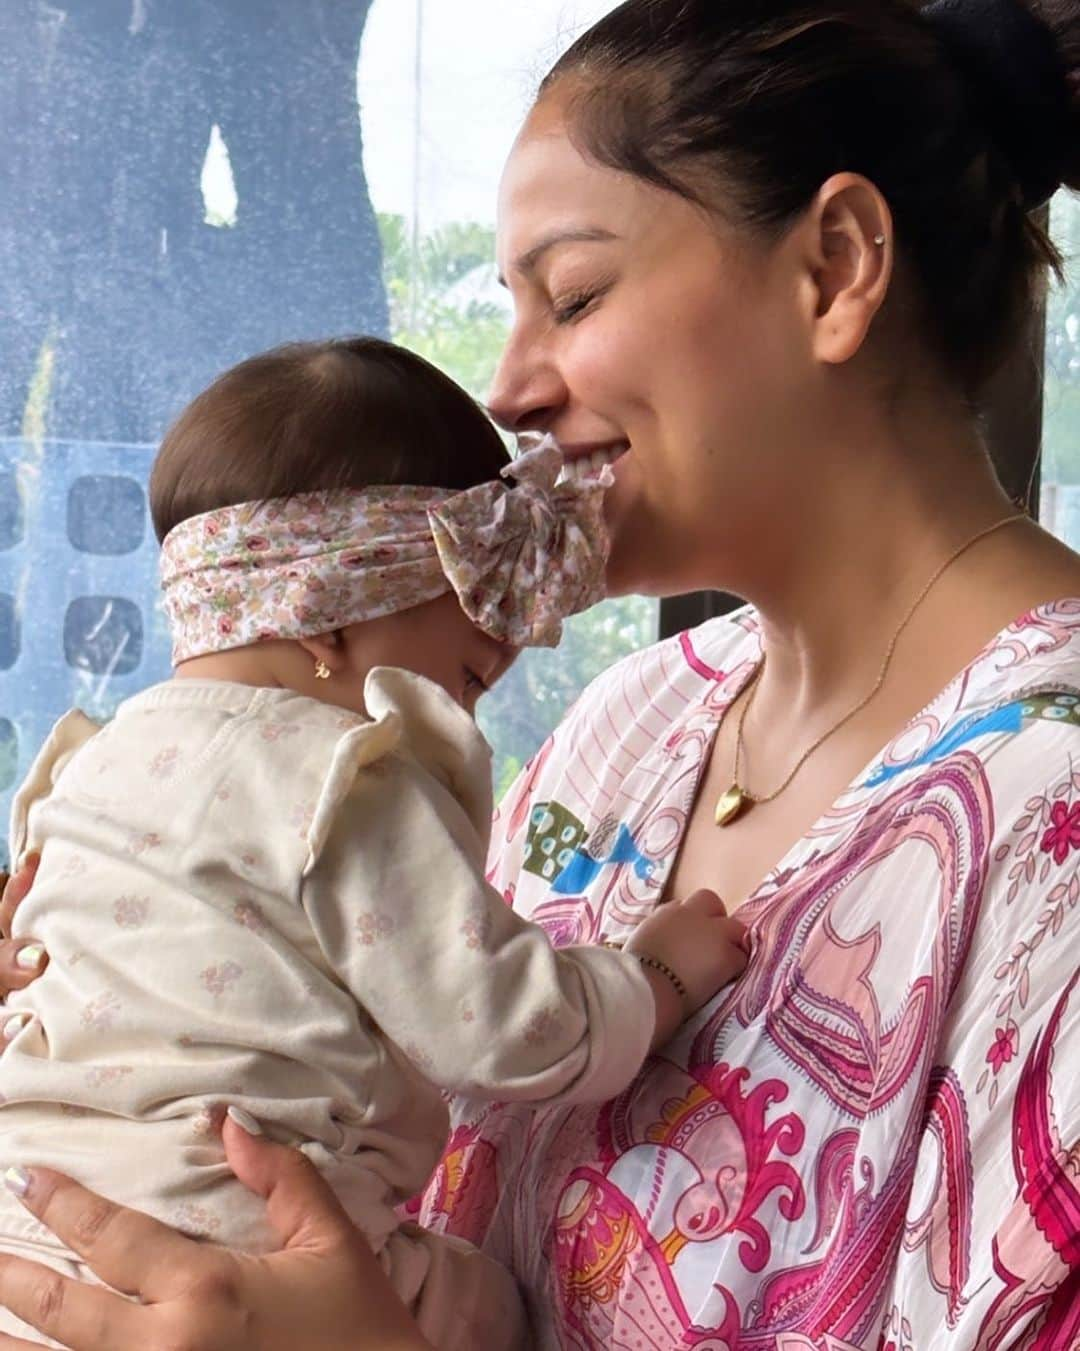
column 872, row 1140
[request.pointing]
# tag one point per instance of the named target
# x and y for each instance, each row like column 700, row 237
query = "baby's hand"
column 700, row 943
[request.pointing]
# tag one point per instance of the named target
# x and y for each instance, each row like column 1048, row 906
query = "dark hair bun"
column 1062, row 18
column 1017, row 60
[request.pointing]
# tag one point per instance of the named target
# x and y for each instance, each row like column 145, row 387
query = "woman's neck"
column 849, row 570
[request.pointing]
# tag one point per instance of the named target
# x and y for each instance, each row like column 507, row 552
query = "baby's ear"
column 327, row 648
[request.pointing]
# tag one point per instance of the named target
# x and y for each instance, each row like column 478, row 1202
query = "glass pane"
column 193, row 187
column 9, row 633
column 12, row 522
column 9, row 754
column 188, row 189
column 106, row 514
column 103, row 635
column 434, row 151
column 1060, row 501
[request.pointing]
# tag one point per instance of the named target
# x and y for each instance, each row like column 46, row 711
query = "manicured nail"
column 244, row 1120
column 15, row 1025
column 30, row 957
column 17, row 1180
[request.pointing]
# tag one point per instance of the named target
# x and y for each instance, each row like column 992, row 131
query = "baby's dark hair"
column 321, row 416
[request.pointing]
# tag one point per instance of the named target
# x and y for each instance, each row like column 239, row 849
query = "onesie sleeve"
column 73, row 731
column 473, row 994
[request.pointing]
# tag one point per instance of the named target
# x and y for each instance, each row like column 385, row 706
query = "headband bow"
column 520, row 558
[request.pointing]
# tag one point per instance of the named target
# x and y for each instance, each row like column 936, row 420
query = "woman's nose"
column 527, row 390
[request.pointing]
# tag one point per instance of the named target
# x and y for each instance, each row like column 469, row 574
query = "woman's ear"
column 326, row 648
column 851, row 248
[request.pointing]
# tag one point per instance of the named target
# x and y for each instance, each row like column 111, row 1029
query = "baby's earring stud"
column 322, row 671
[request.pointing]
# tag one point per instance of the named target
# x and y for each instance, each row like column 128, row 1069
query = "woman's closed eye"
column 576, row 304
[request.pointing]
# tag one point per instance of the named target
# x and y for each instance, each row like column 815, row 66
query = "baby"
column 262, row 884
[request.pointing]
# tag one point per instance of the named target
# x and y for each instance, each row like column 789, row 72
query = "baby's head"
column 320, row 418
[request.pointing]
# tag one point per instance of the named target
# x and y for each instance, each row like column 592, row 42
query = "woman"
column 762, row 259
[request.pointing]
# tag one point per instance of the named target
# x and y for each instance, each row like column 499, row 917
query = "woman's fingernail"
column 244, row 1120
column 15, row 1025
column 17, row 1180
column 30, row 957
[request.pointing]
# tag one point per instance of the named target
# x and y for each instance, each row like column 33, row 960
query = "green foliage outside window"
column 1061, row 439
column 441, row 305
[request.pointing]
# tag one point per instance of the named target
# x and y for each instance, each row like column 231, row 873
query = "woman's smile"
column 587, row 460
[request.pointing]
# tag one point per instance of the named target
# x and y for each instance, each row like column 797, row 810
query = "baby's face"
column 436, row 640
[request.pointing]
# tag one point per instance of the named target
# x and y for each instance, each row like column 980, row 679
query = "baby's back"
column 184, row 974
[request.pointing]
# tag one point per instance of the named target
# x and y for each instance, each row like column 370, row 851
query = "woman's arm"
column 323, row 1291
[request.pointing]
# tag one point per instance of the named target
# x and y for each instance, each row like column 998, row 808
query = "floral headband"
column 520, row 558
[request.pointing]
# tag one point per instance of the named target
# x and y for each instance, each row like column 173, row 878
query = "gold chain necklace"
column 737, row 800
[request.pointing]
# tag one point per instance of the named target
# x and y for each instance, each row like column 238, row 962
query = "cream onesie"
column 253, row 898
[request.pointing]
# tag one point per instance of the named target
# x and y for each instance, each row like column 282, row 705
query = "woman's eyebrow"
column 581, row 235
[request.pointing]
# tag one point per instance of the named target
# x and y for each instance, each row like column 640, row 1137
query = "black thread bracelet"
column 655, row 964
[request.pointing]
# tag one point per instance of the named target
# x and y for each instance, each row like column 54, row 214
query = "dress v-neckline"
column 792, row 858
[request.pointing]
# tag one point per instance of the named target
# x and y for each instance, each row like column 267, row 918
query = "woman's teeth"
column 589, row 466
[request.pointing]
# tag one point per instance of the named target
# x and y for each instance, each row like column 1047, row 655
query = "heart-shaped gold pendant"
column 730, row 805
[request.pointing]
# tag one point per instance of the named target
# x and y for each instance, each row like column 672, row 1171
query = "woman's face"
column 649, row 335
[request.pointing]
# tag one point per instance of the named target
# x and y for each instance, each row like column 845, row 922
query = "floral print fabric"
column 871, row 1140
column 520, row 559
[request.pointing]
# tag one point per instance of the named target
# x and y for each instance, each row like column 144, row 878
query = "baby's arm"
column 474, row 994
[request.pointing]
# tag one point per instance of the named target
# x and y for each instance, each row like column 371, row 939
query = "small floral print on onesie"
column 99, row 1075
column 101, row 1012
column 217, row 979
column 73, row 866
column 475, row 930
column 301, row 817
column 249, row 914
column 163, row 765
column 206, row 1125
column 542, row 1027
column 371, row 926
column 275, row 731
column 139, row 844
column 130, row 912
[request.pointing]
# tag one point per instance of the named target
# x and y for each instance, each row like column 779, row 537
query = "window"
column 103, row 635
column 239, row 215
column 9, row 754
column 444, row 90
column 11, row 511
column 1060, row 497
column 106, row 514
column 9, row 633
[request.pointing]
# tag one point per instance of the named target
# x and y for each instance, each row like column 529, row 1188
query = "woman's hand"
column 21, row 960
column 324, row 1291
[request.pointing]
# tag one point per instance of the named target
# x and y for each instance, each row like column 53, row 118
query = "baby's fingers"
column 737, row 933
column 706, row 903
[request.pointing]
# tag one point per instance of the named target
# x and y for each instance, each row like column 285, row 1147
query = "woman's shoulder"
column 683, row 667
